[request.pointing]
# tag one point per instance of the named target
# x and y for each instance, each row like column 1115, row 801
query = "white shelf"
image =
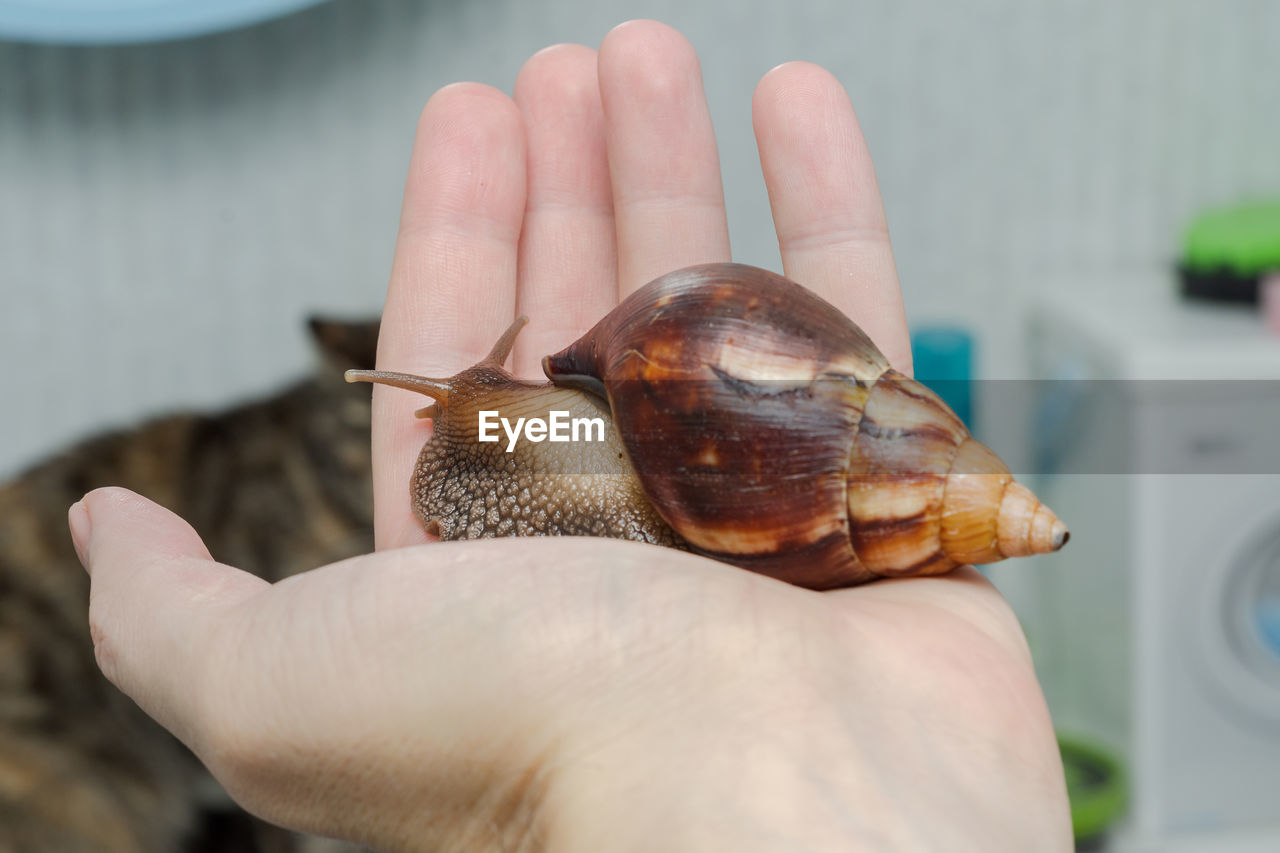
column 1146, row 331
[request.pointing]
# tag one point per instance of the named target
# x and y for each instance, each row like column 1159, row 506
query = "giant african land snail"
column 744, row 418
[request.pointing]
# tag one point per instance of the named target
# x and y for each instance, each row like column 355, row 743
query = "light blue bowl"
column 123, row 21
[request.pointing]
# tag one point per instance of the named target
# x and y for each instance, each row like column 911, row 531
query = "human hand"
column 577, row 694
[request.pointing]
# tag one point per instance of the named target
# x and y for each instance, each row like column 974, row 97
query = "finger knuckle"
column 104, row 648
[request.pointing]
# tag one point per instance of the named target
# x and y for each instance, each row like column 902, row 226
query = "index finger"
column 453, row 280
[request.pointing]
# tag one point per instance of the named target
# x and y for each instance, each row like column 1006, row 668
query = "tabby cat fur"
column 275, row 487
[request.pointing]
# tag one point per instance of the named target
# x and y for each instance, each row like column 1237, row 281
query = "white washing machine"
column 1157, row 629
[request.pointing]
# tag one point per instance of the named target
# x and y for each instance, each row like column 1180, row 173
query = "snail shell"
column 769, row 432
column 748, row 420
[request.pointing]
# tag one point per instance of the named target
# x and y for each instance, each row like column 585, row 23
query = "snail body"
column 748, row 420
column 465, row 488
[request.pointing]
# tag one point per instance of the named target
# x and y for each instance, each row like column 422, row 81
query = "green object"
column 1095, row 785
column 1243, row 239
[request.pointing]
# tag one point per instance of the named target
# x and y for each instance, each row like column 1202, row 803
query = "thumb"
column 155, row 595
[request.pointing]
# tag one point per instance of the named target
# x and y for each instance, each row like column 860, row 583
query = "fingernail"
column 81, row 531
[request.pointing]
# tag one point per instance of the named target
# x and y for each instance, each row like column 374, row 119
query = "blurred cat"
column 275, row 487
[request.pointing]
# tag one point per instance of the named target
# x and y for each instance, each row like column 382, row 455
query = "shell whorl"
column 925, row 496
column 813, row 461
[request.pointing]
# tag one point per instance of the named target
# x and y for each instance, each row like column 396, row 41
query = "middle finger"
column 667, row 197
column 568, row 257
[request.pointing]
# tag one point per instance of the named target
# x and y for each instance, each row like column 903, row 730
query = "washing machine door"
column 1240, row 624
column 1213, row 698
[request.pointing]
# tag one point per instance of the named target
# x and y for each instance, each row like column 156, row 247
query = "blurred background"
column 174, row 204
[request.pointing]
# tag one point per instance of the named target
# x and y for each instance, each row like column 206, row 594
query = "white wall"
column 169, row 213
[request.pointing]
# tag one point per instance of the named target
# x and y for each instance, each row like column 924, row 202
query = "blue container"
column 127, row 21
column 943, row 357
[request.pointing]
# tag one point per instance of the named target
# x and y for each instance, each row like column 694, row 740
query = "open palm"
column 578, row 694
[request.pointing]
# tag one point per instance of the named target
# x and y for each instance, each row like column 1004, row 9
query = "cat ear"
column 346, row 343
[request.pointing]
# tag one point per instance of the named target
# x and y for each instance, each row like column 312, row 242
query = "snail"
column 738, row 415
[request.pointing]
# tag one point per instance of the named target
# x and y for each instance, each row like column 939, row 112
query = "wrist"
column 798, row 767
column 745, row 780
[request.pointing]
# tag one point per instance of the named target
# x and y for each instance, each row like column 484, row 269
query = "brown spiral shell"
column 769, row 432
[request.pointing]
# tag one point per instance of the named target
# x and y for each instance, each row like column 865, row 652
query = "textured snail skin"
column 751, row 421
column 463, row 488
